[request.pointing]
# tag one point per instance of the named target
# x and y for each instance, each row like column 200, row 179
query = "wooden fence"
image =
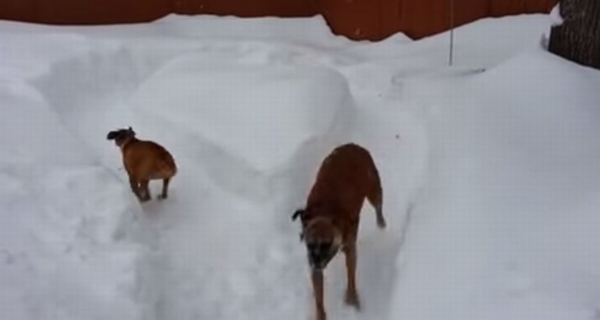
column 355, row 19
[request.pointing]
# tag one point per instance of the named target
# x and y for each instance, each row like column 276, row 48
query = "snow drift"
column 513, row 167
column 497, row 166
column 65, row 253
column 249, row 123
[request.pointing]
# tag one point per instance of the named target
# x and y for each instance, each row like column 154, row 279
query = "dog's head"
column 121, row 136
column 322, row 238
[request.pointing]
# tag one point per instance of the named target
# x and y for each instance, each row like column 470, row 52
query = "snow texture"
column 555, row 16
column 488, row 170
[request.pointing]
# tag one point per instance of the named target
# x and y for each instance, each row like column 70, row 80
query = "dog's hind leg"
column 133, row 184
column 375, row 197
column 165, row 189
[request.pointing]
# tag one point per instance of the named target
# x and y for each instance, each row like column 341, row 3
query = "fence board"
column 356, row 19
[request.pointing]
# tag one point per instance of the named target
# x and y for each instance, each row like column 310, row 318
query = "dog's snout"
column 317, row 262
column 319, row 255
column 316, row 258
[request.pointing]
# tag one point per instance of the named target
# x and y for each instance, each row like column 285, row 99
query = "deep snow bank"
column 307, row 31
column 251, row 125
column 473, row 41
column 312, row 31
column 70, row 237
column 506, row 230
column 400, row 70
column 23, row 59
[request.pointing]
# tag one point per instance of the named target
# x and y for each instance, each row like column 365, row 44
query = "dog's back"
column 346, row 177
column 148, row 159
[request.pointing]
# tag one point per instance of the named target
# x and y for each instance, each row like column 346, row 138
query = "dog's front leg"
column 351, row 292
column 145, row 190
column 317, row 282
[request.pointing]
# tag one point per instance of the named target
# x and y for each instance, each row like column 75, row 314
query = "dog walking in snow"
column 144, row 161
column 331, row 217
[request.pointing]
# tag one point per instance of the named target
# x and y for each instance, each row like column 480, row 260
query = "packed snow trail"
column 229, row 247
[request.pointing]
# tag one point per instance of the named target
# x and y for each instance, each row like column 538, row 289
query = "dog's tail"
column 375, row 193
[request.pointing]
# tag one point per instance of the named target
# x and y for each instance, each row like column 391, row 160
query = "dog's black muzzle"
column 320, row 255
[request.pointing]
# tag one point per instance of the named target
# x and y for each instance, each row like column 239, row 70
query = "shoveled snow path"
column 274, row 284
column 229, row 258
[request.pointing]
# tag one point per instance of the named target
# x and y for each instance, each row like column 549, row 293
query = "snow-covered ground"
column 488, row 169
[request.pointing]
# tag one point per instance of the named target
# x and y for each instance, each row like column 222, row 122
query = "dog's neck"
column 321, row 209
column 126, row 142
column 317, row 212
column 312, row 220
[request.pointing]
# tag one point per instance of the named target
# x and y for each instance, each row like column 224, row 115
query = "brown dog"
column 331, row 218
column 144, row 161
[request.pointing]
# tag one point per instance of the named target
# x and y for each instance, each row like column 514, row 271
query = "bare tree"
column 578, row 37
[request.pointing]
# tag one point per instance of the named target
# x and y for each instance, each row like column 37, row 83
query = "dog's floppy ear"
column 111, row 135
column 298, row 213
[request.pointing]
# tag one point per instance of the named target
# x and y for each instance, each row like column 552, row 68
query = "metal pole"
column 451, row 57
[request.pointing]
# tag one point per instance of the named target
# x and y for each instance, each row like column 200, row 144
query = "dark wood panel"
column 356, row 19
column 100, row 11
column 247, row 8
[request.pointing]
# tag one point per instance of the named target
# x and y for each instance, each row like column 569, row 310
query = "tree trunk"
column 578, row 38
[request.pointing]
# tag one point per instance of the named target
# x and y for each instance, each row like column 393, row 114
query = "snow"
column 488, row 171
column 64, row 249
column 280, row 111
column 515, row 149
column 555, row 16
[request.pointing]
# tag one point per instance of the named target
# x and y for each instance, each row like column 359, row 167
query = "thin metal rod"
column 451, row 57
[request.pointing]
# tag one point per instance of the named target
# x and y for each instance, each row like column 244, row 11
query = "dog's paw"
column 352, row 299
column 381, row 224
column 162, row 197
column 321, row 315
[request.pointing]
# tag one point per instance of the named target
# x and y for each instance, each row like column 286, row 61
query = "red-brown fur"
column 144, row 161
column 331, row 218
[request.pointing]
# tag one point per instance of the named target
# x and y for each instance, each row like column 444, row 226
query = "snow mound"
column 253, row 120
column 70, row 239
column 555, row 16
column 514, row 166
column 559, row 97
column 498, row 37
column 298, row 30
column 29, row 58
